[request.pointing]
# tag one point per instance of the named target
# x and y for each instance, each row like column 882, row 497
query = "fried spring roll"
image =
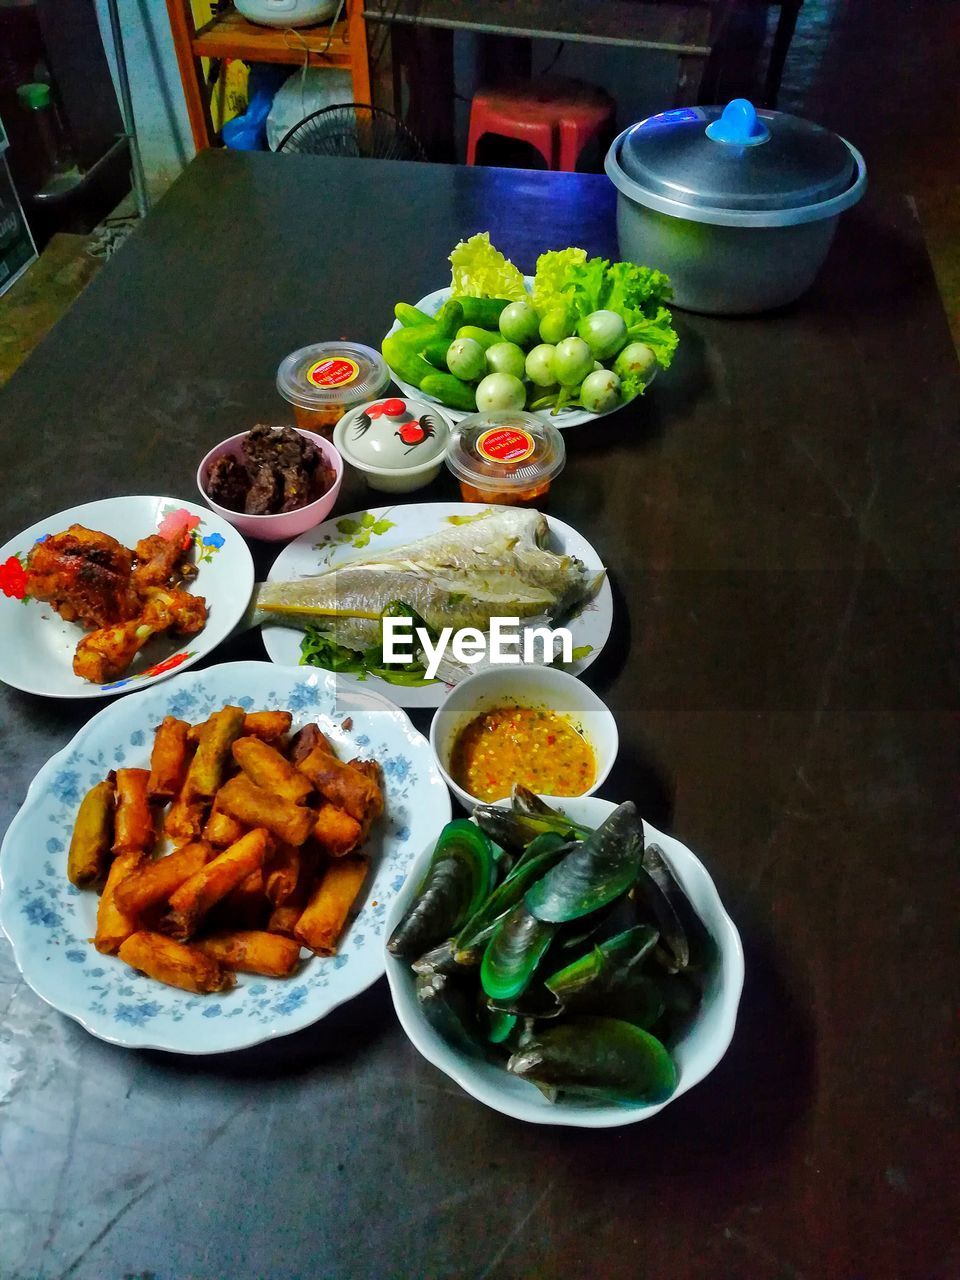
column 326, row 912
column 281, row 873
column 343, row 785
column 184, row 820
column 221, row 829
column 268, row 725
column 194, row 898
column 156, row 881
column 283, row 918
column 335, row 831
column 256, row 807
column 302, row 743
column 175, row 964
column 133, row 826
column 217, row 736
column 265, row 766
column 169, row 759
column 113, row 923
column 92, row 837
column 245, row 907
column 253, row 951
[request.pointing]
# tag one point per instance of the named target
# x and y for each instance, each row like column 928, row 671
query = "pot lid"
column 736, row 158
column 392, row 435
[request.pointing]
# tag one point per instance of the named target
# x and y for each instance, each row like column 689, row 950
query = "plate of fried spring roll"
column 209, row 863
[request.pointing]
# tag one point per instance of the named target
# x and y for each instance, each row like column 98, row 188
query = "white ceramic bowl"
column 525, row 686
column 372, row 439
column 696, row 1054
column 283, row 524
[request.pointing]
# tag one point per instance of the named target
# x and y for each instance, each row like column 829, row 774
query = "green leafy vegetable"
column 553, row 271
column 481, row 271
column 637, row 294
column 319, row 649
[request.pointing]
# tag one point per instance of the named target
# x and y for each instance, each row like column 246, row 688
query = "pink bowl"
column 286, row 524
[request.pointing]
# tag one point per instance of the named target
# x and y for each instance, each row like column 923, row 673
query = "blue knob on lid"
column 739, row 125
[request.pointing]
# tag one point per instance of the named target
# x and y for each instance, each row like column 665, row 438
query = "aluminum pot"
column 737, row 206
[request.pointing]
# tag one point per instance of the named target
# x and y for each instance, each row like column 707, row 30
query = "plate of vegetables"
column 564, row 962
column 577, row 340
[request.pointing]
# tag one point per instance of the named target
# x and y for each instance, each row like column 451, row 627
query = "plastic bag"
column 301, row 95
column 248, row 132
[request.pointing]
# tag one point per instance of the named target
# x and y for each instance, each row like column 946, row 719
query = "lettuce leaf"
column 481, row 271
column 636, row 293
column 553, row 276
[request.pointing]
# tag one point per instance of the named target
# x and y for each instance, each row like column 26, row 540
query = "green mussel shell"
column 479, row 928
column 515, row 828
column 513, row 953
column 448, row 1008
column 605, row 1059
column 603, row 963
column 594, row 873
column 458, row 880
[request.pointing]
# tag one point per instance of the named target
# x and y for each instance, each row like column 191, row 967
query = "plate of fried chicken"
column 117, row 594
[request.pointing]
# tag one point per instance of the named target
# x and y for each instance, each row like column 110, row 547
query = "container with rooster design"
column 398, row 445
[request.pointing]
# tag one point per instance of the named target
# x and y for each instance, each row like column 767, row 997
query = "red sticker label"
column 334, row 371
column 505, row 444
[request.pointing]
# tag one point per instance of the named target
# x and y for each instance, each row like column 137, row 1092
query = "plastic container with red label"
column 508, row 459
column 325, row 380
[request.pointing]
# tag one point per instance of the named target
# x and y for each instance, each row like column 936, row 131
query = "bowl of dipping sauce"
column 506, row 458
column 397, row 445
column 326, row 379
column 538, row 726
column 248, row 479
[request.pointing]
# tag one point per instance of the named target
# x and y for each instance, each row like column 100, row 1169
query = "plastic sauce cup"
column 506, row 459
column 326, row 379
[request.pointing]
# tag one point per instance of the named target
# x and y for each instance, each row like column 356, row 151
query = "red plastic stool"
column 558, row 117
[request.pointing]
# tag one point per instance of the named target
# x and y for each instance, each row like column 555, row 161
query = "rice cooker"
column 286, row 13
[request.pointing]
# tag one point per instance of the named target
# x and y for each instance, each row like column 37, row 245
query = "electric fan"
column 352, row 129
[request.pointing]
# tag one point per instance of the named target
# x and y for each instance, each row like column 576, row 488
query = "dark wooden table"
column 779, row 518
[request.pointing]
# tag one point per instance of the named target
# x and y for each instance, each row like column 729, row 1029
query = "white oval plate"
column 49, row 922
column 37, row 646
column 431, row 304
column 334, row 543
column 702, row 1047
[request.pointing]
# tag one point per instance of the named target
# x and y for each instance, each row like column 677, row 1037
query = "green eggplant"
column 480, row 926
column 594, row 873
column 513, row 953
column 605, row 1059
column 458, row 880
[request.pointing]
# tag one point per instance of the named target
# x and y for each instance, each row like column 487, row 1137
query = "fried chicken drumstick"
column 105, row 654
column 126, row 596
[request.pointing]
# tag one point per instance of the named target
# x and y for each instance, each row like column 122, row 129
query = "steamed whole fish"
column 497, row 565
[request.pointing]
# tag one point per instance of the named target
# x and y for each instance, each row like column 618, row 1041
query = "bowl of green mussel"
column 564, row 962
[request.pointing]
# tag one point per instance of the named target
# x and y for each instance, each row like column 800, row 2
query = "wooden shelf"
column 229, row 35
column 232, row 36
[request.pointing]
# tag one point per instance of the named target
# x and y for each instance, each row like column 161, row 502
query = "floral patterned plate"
column 363, row 533
column 37, row 646
column 49, row 922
